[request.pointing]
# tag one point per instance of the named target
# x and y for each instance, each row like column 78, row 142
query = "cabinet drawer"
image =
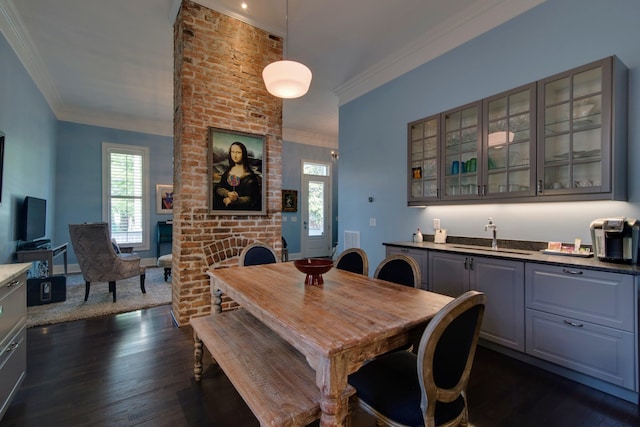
column 604, row 353
column 593, row 296
column 13, row 366
column 13, row 305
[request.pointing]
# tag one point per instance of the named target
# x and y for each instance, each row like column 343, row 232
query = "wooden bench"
column 273, row 378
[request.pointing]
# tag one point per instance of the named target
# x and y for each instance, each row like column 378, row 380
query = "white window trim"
column 108, row 147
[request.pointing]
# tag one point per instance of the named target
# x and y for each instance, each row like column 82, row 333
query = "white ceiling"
column 110, row 62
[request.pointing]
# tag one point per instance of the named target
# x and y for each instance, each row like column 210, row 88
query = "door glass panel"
column 497, row 109
column 557, row 91
column 587, row 82
column 556, row 119
column 316, row 208
column 519, row 103
column 416, row 131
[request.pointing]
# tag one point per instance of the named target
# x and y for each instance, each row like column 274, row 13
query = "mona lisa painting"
column 236, row 169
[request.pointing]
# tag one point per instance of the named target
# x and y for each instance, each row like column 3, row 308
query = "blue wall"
column 30, row 143
column 292, row 156
column 79, row 179
column 553, row 37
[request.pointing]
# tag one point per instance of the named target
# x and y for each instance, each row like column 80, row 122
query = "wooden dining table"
column 337, row 326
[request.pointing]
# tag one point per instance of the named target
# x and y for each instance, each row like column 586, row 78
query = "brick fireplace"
column 218, row 64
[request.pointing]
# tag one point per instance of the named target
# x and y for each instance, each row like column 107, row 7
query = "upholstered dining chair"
column 427, row 389
column 354, row 260
column 98, row 259
column 257, row 253
column 399, row 268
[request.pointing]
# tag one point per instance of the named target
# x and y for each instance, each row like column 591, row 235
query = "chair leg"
column 112, row 289
column 142, row 277
column 167, row 272
column 87, row 285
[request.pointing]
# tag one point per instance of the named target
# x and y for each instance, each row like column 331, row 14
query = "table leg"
column 64, row 256
column 217, row 301
column 331, row 379
column 197, row 357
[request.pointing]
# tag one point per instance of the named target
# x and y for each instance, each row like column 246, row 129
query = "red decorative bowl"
column 314, row 268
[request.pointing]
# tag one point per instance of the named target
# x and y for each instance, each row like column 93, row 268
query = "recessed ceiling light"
column 244, row 5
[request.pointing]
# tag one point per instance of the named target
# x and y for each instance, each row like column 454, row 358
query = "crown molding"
column 475, row 20
column 16, row 34
column 309, row 138
column 116, row 121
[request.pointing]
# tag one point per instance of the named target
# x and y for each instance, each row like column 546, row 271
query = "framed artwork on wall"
column 237, row 165
column 289, row 201
column 164, row 199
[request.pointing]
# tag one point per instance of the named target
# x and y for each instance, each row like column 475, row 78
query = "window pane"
column 315, row 169
column 125, row 198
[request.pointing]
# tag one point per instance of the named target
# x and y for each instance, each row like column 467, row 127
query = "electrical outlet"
column 372, row 222
column 436, row 224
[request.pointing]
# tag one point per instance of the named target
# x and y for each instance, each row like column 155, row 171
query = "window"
column 125, row 198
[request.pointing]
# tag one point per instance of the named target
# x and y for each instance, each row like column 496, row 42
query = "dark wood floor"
column 135, row 369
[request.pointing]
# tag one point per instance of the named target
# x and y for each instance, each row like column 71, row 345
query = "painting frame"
column 230, row 194
column 164, row 199
column 289, row 201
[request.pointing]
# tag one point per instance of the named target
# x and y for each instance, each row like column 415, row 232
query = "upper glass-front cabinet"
column 462, row 149
column 424, row 137
column 510, row 143
column 561, row 138
column 582, row 130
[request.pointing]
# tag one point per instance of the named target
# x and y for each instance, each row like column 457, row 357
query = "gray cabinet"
column 419, row 255
column 584, row 320
column 561, row 138
column 502, row 281
column 13, row 318
column 582, row 130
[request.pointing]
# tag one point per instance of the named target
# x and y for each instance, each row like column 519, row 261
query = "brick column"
column 218, row 64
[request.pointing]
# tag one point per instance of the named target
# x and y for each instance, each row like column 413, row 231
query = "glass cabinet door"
column 574, row 145
column 510, row 143
column 461, row 160
column 423, row 160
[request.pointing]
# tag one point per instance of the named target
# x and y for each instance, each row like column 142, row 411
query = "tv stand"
column 44, row 254
column 35, row 244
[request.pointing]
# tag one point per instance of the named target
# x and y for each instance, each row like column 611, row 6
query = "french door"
column 316, row 209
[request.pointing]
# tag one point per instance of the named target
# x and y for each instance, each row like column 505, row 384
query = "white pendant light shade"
column 287, row 79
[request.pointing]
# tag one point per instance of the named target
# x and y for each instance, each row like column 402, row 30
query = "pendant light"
column 287, row 79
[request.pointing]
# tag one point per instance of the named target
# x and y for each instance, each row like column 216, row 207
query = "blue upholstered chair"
column 257, row 253
column 427, row 389
column 354, row 260
column 399, row 268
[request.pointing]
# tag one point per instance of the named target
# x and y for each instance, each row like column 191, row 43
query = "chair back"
column 94, row 250
column 399, row 268
column 445, row 356
column 256, row 254
column 354, row 260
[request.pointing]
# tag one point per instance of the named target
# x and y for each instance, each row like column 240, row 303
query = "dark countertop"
column 517, row 254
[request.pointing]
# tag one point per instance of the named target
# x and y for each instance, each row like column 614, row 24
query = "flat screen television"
column 34, row 219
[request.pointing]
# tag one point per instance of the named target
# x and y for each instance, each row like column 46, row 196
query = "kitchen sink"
column 481, row 248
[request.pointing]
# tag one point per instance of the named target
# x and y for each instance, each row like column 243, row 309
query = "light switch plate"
column 436, row 223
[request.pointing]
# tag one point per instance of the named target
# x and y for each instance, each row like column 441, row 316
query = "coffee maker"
column 615, row 239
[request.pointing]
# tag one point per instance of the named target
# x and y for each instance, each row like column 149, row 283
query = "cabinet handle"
column 404, row 250
column 466, row 260
column 577, row 325
column 540, row 186
column 564, row 270
column 470, row 263
column 484, row 190
column 14, row 283
column 12, row 347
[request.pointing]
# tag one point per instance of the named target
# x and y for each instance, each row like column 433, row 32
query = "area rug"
column 100, row 303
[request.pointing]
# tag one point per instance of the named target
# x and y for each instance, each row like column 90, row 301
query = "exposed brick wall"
column 218, row 64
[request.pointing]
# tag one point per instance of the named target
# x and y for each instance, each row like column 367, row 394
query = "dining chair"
column 257, row 253
column 98, row 259
column 354, row 260
column 427, row 389
column 399, row 268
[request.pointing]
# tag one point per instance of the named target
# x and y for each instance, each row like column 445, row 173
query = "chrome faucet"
column 493, row 227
